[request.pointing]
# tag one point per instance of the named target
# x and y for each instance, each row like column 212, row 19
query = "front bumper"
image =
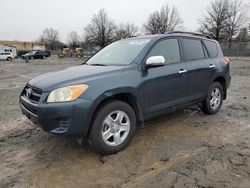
column 69, row 118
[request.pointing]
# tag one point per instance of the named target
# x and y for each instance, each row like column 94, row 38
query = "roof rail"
column 190, row 33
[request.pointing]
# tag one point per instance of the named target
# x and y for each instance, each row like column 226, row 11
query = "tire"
column 214, row 99
column 32, row 57
column 44, row 57
column 9, row 59
column 107, row 129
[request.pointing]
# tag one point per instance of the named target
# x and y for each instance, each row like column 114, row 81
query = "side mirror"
column 155, row 61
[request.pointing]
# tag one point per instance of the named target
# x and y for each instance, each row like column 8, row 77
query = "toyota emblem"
column 28, row 92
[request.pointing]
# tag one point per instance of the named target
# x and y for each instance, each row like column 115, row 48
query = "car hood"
column 72, row 75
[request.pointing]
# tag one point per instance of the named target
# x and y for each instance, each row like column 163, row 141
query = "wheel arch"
column 126, row 97
column 222, row 81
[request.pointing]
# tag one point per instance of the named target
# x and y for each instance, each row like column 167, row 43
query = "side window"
column 169, row 49
column 192, row 49
column 212, row 48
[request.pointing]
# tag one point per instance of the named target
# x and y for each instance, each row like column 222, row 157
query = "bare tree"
column 166, row 19
column 236, row 18
column 87, row 44
column 125, row 31
column 51, row 37
column 101, row 29
column 214, row 22
column 73, row 39
column 224, row 19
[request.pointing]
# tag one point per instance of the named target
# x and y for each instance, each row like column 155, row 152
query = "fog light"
column 63, row 126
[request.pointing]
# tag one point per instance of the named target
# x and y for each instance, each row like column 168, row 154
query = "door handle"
column 182, row 71
column 211, row 66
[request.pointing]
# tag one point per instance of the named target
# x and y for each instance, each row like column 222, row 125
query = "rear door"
column 165, row 86
column 198, row 67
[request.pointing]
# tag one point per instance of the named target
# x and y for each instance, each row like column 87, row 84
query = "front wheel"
column 9, row 59
column 214, row 99
column 113, row 127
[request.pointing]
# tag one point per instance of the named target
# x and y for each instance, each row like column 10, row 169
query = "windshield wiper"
column 97, row 64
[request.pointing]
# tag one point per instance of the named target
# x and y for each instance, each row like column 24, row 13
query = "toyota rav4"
column 126, row 83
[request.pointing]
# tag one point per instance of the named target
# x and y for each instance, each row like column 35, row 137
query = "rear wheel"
column 9, row 59
column 214, row 99
column 113, row 127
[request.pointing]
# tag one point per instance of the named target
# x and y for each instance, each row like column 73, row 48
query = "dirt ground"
column 182, row 149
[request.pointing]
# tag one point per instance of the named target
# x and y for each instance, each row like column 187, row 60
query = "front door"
column 165, row 86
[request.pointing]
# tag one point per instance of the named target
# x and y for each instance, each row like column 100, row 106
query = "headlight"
column 68, row 93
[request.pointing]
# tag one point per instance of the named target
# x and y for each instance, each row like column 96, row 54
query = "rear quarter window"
column 192, row 49
column 211, row 48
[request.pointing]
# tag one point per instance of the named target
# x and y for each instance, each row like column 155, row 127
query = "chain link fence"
column 239, row 49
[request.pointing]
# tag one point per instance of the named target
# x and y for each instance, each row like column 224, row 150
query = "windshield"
column 119, row 53
column 31, row 53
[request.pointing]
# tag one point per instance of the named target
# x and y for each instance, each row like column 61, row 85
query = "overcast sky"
column 26, row 19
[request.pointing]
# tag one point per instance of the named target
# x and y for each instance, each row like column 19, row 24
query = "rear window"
column 192, row 49
column 212, row 48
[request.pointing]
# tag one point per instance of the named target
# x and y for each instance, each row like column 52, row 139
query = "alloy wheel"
column 215, row 99
column 115, row 128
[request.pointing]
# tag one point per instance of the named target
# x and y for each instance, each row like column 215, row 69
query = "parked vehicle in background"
column 35, row 55
column 64, row 52
column 70, row 52
column 6, row 56
column 8, row 49
column 78, row 52
column 128, row 82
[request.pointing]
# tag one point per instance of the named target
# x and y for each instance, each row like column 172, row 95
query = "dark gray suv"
column 126, row 83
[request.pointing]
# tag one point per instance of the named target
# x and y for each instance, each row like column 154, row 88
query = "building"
column 5, row 48
column 24, row 46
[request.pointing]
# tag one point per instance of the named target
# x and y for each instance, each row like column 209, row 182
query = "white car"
column 6, row 56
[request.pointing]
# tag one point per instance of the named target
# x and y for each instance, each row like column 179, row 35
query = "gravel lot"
column 183, row 149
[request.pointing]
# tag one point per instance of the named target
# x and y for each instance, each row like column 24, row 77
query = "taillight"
column 226, row 59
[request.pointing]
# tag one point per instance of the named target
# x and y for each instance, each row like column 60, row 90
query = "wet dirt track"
column 182, row 149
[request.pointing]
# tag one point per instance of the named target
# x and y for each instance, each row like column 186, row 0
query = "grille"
column 30, row 98
column 31, row 93
column 29, row 108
